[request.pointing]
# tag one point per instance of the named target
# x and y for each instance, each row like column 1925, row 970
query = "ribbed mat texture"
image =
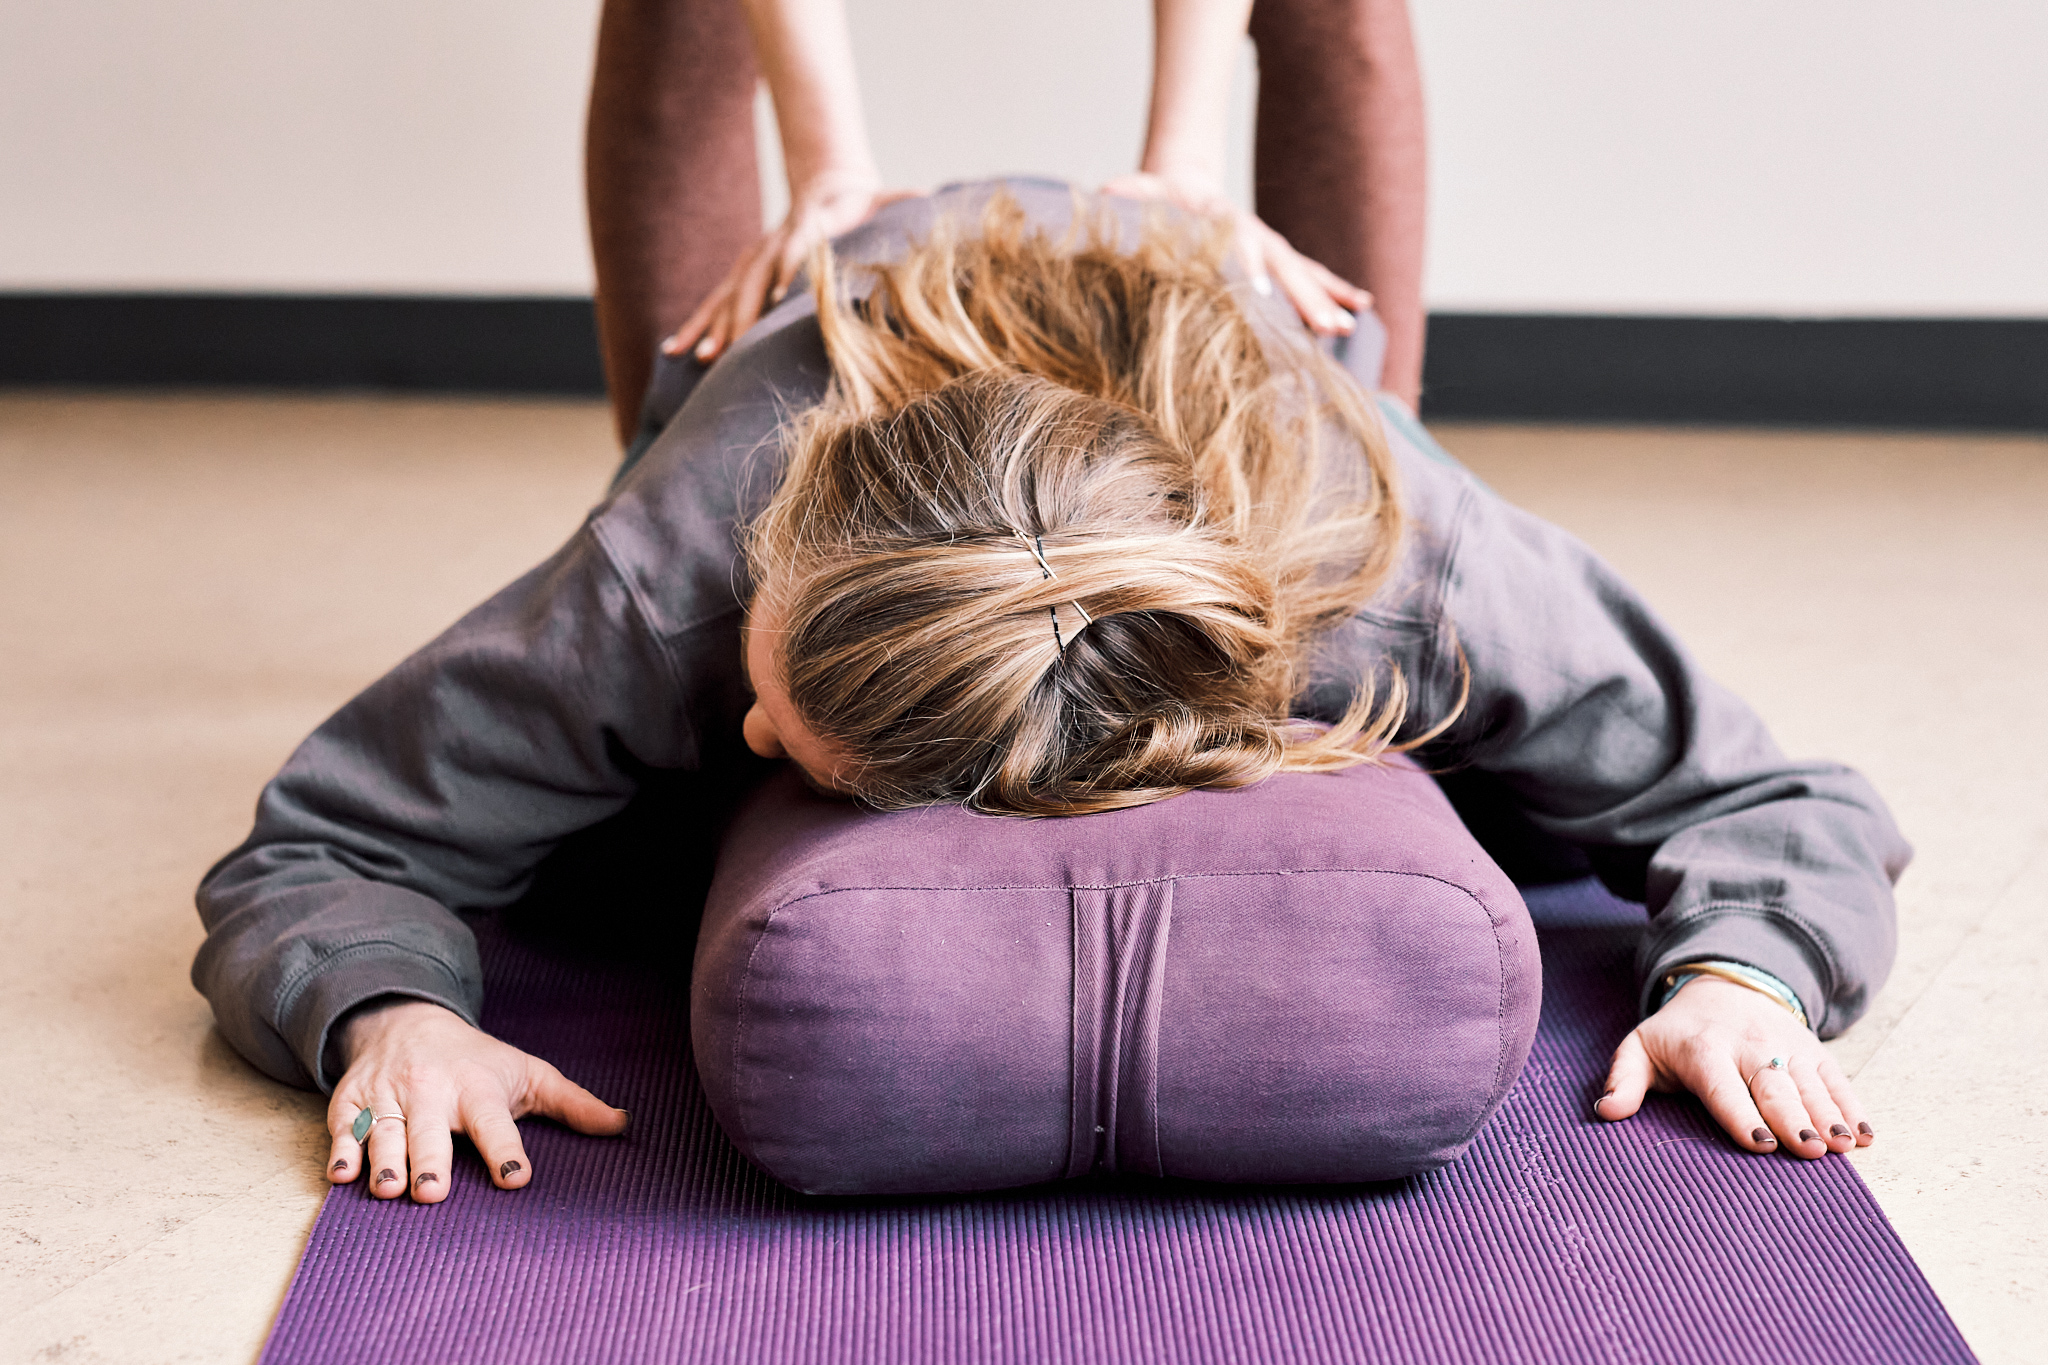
column 1556, row 1238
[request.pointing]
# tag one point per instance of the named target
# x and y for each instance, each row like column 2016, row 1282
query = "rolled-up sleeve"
column 1610, row 735
column 441, row 785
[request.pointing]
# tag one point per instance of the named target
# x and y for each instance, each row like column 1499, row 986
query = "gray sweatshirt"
column 442, row 786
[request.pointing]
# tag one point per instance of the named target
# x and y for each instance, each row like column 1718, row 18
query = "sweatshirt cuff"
column 358, row 973
column 1750, row 935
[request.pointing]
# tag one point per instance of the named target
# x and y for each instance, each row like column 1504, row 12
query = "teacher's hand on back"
column 806, row 54
column 1326, row 302
column 762, row 275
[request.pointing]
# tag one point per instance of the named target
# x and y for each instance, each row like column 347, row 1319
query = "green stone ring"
column 366, row 1119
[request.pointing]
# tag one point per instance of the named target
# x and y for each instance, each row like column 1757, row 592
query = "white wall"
column 1851, row 156
column 1804, row 156
column 405, row 145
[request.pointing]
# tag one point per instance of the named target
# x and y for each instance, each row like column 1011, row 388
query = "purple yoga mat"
column 1555, row 1238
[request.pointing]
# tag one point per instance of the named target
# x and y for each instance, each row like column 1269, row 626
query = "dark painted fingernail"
column 341, row 1165
column 427, row 1178
column 385, row 1177
column 1866, row 1130
column 1840, row 1130
column 1808, row 1135
column 1762, row 1138
column 508, row 1168
column 629, row 1122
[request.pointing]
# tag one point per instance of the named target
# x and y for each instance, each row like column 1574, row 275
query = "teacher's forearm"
column 806, row 53
column 1194, row 52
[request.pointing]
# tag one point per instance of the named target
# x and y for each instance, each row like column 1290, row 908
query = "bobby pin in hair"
column 1036, row 544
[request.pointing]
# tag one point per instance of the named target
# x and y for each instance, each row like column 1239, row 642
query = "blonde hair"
column 1062, row 532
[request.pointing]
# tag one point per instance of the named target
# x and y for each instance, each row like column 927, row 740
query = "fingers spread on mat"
column 1762, row 1074
column 490, row 1127
column 1784, row 1109
column 385, row 1160
column 1628, row 1080
column 1820, row 1106
column 1697, row 1042
column 1831, row 1075
column 550, row 1093
column 432, row 1151
column 344, row 1153
column 1711, row 1072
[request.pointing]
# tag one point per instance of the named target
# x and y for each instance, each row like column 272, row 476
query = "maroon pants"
column 672, row 178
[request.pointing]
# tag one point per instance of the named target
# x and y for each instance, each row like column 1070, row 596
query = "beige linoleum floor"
column 187, row 585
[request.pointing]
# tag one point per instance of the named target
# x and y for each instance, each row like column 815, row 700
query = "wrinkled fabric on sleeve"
column 1611, row 736
column 443, row 785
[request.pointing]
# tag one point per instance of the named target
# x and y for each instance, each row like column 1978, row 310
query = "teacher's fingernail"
column 1808, row 1135
column 1866, row 1130
column 508, row 1168
column 1762, row 1138
column 629, row 1122
column 1841, row 1130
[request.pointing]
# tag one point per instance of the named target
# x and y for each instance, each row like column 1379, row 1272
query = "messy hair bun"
column 1061, row 534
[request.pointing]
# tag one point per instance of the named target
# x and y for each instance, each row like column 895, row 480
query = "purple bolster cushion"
column 1318, row 978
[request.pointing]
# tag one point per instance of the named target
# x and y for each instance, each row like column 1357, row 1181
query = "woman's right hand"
column 762, row 275
column 418, row 1059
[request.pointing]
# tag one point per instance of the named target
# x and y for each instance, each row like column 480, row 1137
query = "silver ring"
column 366, row 1119
column 1775, row 1064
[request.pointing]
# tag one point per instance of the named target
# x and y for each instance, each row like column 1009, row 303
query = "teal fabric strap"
column 1755, row 978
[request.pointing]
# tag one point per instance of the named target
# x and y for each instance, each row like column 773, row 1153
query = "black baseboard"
column 1983, row 373
column 301, row 341
column 1922, row 372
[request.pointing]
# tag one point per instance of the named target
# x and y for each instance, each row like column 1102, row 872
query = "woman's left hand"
column 1326, row 301
column 1717, row 1040
column 757, row 281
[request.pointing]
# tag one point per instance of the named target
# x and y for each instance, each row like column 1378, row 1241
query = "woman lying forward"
column 1030, row 506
